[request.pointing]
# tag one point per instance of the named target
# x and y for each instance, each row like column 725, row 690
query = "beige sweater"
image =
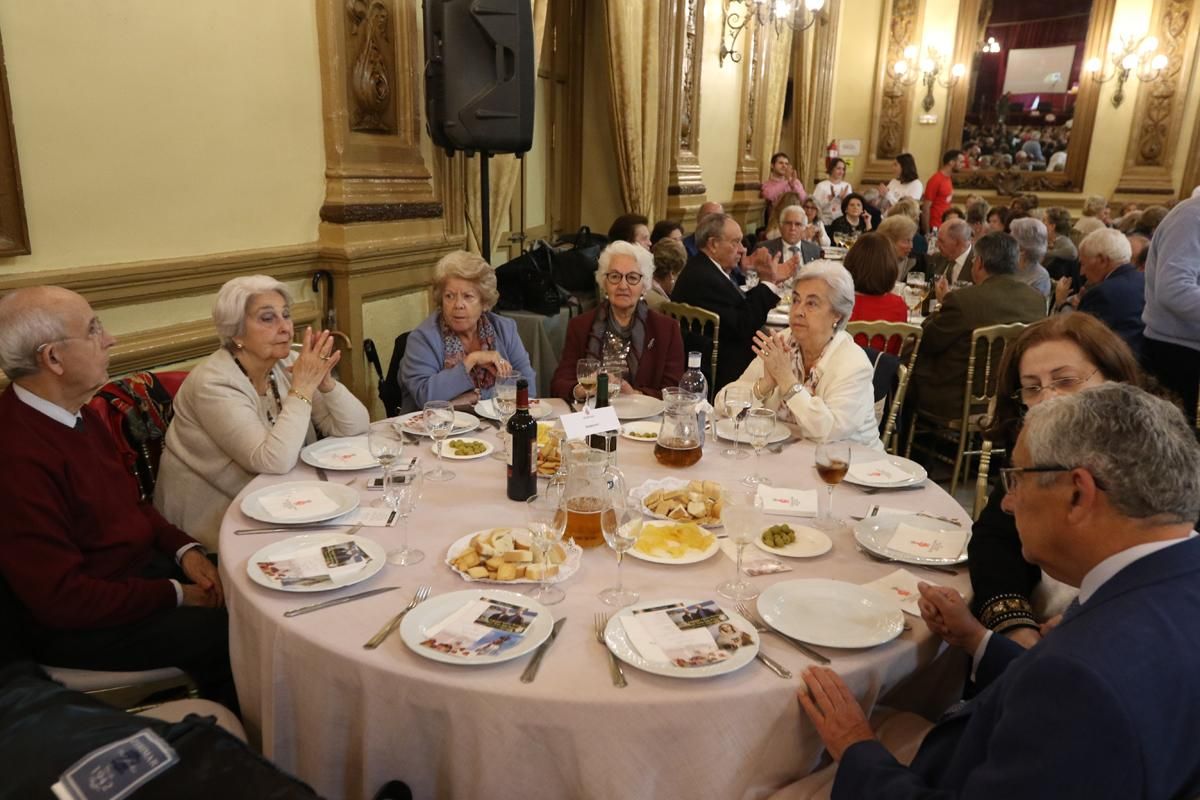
column 220, row 439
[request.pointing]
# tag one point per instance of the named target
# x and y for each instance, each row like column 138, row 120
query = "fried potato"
column 673, row 541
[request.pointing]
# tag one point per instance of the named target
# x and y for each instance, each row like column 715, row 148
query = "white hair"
column 1094, row 204
column 1030, row 234
column 841, row 286
column 23, row 329
column 956, row 229
column 641, row 256
column 793, row 208
column 1107, row 243
column 467, row 267
column 233, row 302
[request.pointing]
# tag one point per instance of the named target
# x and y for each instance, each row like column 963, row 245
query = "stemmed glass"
column 401, row 491
column 741, row 514
column 760, row 423
column 833, row 462
column 586, row 371
column 915, row 291
column 505, row 403
column 547, row 519
column 621, row 525
column 615, row 367
column 439, row 421
column 737, row 400
column 385, row 444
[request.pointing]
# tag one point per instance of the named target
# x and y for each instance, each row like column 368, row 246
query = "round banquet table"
column 346, row 719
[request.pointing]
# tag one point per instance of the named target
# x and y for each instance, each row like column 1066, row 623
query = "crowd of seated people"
column 1000, row 146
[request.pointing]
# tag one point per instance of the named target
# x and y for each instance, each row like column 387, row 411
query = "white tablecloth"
column 347, row 719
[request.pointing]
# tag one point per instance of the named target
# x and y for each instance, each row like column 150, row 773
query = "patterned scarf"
column 482, row 377
column 607, row 339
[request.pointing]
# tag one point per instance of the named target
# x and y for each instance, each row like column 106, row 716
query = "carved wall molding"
column 373, row 72
column 683, row 34
column 902, row 22
column 14, row 231
column 689, row 106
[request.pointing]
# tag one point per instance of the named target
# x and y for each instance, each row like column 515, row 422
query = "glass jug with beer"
column 678, row 442
column 592, row 488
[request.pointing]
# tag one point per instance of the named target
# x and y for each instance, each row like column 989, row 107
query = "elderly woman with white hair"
column 460, row 349
column 623, row 327
column 813, row 375
column 250, row 407
column 1031, row 239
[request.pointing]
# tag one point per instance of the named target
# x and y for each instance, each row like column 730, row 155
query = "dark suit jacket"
column 1104, row 707
column 941, row 367
column 1118, row 301
column 702, row 284
column 809, row 251
column 689, row 244
column 937, row 265
column 661, row 364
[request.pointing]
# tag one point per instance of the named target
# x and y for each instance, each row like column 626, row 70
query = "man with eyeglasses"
column 1105, row 486
column 706, row 282
column 92, row 578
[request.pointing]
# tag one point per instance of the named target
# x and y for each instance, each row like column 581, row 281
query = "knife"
column 321, row 476
column 531, row 671
column 295, row 612
column 295, row 529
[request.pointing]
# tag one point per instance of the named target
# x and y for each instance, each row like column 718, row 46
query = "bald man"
column 706, row 210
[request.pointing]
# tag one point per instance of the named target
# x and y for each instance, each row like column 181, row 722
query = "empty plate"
column 831, row 613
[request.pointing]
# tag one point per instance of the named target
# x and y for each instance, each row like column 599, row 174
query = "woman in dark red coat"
column 623, row 328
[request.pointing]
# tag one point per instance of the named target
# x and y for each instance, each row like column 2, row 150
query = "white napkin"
column 914, row 541
column 368, row 517
column 352, row 454
column 877, row 472
column 788, row 502
column 297, row 503
column 901, row 586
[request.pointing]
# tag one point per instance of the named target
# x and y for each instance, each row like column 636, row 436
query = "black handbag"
column 576, row 259
column 527, row 282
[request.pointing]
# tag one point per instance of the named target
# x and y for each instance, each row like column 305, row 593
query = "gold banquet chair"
column 694, row 322
column 910, row 343
column 983, row 366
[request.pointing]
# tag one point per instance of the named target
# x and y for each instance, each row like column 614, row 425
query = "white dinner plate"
column 724, row 430
column 640, row 493
column 345, row 498
column 565, row 570
column 636, row 431
column 414, row 423
column 414, row 629
column 874, row 533
column 809, row 543
column 618, row 642
column 914, row 473
column 690, row 557
column 449, row 454
column 278, row 551
column 637, row 406
column 340, row 452
column 831, row 613
column 539, row 409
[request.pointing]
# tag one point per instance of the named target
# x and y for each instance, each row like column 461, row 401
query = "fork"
column 762, row 627
column 394, row 622
column 614, row 667
column 948, row 570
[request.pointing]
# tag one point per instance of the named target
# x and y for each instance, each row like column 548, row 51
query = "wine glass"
column 742, row 516
column 914, row 295
column 401, row 491
column 439, row 421
column 760, row 424
column 547, row 519
column 586, row 370
column 615, row 367
column 505, row 403
column 737, row 400
column 621, row 525
column 833, row 462
column 385, row 444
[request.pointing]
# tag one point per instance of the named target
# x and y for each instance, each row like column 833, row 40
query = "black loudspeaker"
column 479, row 75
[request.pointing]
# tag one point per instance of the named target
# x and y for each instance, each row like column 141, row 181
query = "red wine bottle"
column 522, row 451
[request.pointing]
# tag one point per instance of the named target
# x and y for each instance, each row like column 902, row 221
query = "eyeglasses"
column 95, row 331
column 1008, row 476
column 614, row 278
column 1059, row 385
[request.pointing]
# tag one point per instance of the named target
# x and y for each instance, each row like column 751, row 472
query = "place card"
column 483, row 627
column 297, row 503
column 877, row 472
column 788, row 502
column 901, row 586
column 591, row 420
column 913, row 541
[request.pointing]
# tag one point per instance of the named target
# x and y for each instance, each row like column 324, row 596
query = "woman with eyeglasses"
column 623, row 328
column 1056, row 356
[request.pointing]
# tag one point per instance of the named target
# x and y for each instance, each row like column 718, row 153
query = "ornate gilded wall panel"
column 372, row 74
column 893, row 100
column 683, row 32
column 14, row 232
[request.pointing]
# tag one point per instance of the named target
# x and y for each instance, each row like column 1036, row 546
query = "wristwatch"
column 797, row 387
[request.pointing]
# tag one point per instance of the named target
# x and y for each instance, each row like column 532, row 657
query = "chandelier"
column 798, row 15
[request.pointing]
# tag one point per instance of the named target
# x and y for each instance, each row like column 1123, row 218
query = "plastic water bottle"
column 694, row 381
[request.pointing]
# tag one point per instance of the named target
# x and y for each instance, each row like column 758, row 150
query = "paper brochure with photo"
column 696, row 635
column 325, row 564
column 483, row 627
column 298, row 502
column 913, row 541
column 789, row 502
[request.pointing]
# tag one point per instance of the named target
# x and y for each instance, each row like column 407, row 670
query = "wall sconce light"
column 990, row 46
column 798, row 15
column 928, row 70
column 1131, row 57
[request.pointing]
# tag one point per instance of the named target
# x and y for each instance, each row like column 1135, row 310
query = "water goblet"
column 833, row 462
column 385, row 443
column 586, row 370
column 505, row 402
column 737, row 399
column 439, row 421
column 401, row 491
column 760, row 424
column 742, row 516
column 621, row 525
column 546, row 519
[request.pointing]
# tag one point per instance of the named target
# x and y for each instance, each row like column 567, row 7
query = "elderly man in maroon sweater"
column 102, row 580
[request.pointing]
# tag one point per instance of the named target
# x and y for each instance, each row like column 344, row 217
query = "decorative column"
column 745, row 204
column 893, row 101
column 813, row 57
column 681, row 61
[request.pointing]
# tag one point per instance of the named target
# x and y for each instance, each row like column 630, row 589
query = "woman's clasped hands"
column 313, row 368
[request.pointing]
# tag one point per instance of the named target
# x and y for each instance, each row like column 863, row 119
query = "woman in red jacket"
column 622, row 327
column 871, row 262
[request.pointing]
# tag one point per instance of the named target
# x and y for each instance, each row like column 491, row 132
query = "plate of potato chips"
column 669, row 542
column 679, row 500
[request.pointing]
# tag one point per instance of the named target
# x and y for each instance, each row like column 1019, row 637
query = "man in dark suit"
column 705, row 282
column 706, row 209
column 1116, row 291
column 997, row 298
column 1106, row 705
column 792, row 222
column 953, row 260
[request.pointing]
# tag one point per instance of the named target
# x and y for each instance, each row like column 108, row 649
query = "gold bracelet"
column 294, row 393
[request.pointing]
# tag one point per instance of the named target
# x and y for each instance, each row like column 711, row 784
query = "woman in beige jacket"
column 249, row 407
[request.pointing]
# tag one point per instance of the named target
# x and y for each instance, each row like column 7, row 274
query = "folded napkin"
column 877, row 472
column 913, row 541
column 901, row 586
column 753, row 565
column 368, row 517
column 297, row 503
column 788, row 502
column 352, row 454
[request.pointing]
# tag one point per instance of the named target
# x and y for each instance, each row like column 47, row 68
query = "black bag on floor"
column 527, row 282
column 575, row 266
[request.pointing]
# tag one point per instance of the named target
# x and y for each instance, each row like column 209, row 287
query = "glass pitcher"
column 678, row 442
column 592, row 486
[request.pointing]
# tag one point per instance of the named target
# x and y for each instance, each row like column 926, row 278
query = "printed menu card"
column 483, row 627
column 684, row 635
column 318, row 564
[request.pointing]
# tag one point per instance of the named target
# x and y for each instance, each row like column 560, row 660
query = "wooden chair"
column 987, row 349
column 910, row 343
column 986, row 451
column 694, row 323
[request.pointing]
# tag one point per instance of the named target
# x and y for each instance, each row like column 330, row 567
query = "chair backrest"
column 694, row 323
column 983, row 363
column 390, row 390
column 910, row 346
column 137, row 409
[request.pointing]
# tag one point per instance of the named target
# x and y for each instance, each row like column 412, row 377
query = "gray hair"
column 997, row 251
column 898, row 227
column 870, row 195
column 955, row 229
column 467, row 267
column 639, row 254
column 1059, row 218
column 710, row 227
column 1094, row 204
column 24, row 328
column 233, row 302
column 1030, row 234
column 1107, row 243
column 1138, row 447
column 841, row 287
column 794, row 209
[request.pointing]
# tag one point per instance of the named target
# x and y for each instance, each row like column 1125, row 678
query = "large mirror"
column 1023, row 116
